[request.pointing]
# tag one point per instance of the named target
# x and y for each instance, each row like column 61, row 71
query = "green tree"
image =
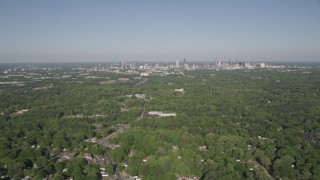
column 283, row 167
column 109, row 169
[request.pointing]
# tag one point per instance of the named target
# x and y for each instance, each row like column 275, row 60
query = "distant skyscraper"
column 184, row 61
column 121, row 65
column 177, row 63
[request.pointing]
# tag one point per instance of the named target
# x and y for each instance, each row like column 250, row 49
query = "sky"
column 163, row 30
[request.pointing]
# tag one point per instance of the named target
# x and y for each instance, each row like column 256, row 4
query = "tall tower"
column 121, row 65
column 177, row 63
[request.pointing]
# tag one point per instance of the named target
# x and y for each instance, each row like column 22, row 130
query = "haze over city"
column 159, row 89
column 78, row 31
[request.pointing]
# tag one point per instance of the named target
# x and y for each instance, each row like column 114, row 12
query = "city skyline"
column 104, row 31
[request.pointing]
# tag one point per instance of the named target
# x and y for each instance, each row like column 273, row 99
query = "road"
column 141, row 82
column 262, row 168
column 105, row 142
column 120, row 130
column 256, row 164
column 116, row 173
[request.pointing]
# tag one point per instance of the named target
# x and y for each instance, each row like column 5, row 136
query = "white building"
column 144, row 74
column 140, row 96
column 179, row 90
column 177, row 63
column 262, row 65
column 161, row 114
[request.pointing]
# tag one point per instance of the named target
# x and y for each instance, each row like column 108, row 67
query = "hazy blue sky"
column 163, row 30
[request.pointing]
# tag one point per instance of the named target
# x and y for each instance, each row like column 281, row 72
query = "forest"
column 229, row 124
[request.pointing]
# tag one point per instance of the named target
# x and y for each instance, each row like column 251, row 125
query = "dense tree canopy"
column 241, row 124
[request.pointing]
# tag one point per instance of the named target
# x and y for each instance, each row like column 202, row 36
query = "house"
column 140, row 96
column 145, row 159
column 104, row 174
column 87, row 156
column 186, row 178
column 123, row 79
column 134, row 178
column 25, row 178
column 145, row 74
column 175, row 148
column 179, row 90
column 203, row 148
column 22, row 111
column 93, row 140
column 98, row 160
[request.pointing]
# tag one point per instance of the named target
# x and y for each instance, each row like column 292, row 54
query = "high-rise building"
column 121, row 65
column 177, row 63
